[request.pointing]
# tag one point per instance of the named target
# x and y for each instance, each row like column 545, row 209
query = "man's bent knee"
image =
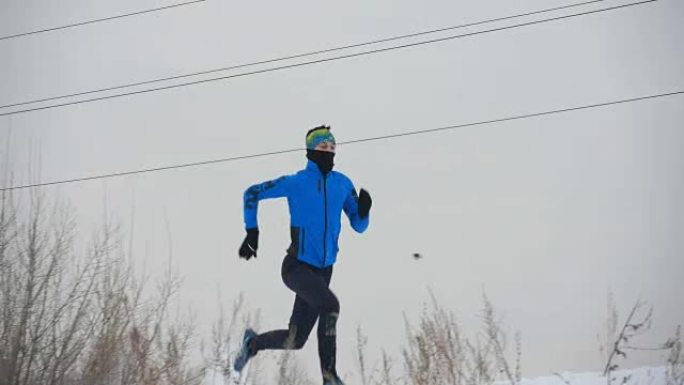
column 331, row 305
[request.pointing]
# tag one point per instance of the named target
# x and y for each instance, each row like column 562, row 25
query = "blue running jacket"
column 316, row 204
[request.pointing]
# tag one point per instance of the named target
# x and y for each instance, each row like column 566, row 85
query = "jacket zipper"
column 325, row 228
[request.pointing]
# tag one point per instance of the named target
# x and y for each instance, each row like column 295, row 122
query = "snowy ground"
column 639, row 376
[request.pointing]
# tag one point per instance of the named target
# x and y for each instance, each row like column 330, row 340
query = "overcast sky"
column 547, row 214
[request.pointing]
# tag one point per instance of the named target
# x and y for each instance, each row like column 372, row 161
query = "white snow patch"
column 638, row 376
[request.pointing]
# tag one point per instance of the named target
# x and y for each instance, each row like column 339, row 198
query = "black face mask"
column 323, row 159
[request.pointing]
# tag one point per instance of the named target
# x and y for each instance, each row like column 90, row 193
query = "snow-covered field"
column 639, row 376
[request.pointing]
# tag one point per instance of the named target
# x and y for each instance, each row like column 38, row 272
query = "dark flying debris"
column 417, row 256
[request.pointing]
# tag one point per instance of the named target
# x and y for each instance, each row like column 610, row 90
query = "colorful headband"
column 319, row 136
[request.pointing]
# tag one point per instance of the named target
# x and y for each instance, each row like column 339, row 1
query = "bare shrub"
column 47, row 294
column 226, row 340
column 222, row 334
column 439, row 353
column 675, row 359
column 71, row 317
column 498, row 339
column 362, row 365
column 386, row 376
column 636, row 323
column 290, row 372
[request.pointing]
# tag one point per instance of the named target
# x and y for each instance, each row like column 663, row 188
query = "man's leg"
column 301, row 323
column 327, row 329
column 312, row 286
column 307, row 283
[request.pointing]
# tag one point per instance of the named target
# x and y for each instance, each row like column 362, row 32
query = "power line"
column 341, row 57
column 101, row 20
column 301, row 55
column 376, row 138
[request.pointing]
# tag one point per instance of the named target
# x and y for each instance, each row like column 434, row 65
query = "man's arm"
column 270, row 189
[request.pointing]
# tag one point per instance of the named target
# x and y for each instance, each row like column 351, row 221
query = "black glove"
column 365, row 203
column 249, row 246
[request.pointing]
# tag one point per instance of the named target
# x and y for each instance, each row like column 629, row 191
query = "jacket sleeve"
column 270, row 189
column 351, row 208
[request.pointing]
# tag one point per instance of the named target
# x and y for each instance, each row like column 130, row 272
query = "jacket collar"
column 313, row 167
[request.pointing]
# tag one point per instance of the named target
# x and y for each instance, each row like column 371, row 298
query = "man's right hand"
column 249, row 246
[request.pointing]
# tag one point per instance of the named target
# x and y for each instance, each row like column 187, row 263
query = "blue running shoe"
column 245, row 352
